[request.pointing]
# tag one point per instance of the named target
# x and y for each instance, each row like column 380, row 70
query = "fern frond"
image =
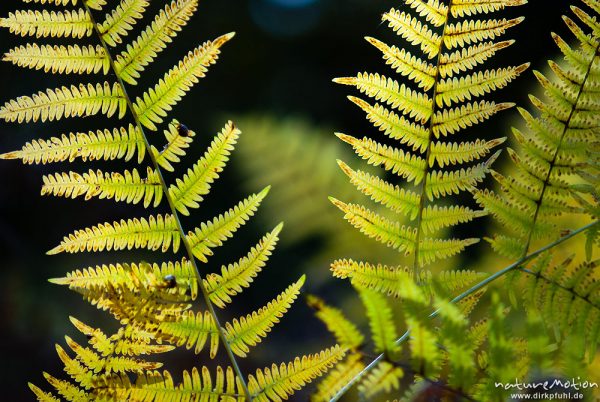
column 68, row 23
column 119, row 343
column 188, row 191
column 474, row 31
column 345, row 332
column 41, row 395
column 383, row 328
column 567, row 295
column 401, row 97
column 453, row 47
column 420, row 71
column 154, row 104
column 121, row 20
column 104, row 278
column 399, row 200
column 67, row 390
column 192, row 330
column 154, row 233
column 452, row 153
column 234, row 277
column 404, row 164
column 60, row 59
column 247, row 331
column 394, row 126
column 277, row 383
column 385, row 377
column 551, row 153
column 120, row 143
column 129, row 186
column 454, row 90
column 154, row 39
column 178, row 139
column 74, row 101
column 450, row 121
column 213, row 233
column 112, row 364
column 467, row 59
column 414, row 31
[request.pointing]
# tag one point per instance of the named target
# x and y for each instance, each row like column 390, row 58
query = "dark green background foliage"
column 281, row 62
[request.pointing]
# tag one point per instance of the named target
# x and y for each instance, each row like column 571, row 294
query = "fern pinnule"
column 454, row 42
column 152, row 302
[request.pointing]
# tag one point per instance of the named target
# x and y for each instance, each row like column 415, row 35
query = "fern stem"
column 174, row 212
column 465, row 294
column 423, row 189
column 546, row 183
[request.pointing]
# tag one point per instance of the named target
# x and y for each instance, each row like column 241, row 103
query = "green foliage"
column 152, row 302
column 554, row 146
column 453, row 41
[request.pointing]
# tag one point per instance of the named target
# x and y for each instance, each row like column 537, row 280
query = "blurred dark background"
column 280, row 63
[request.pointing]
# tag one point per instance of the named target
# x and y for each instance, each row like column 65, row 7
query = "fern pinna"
column 151, row 301
column 437, row 102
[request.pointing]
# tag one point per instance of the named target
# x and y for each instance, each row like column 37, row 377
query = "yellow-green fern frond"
column 234, row 277
column 60, row 59
column 154, row 233
column 567, row 296
column 414, row 31
column 247, row 331
column 277, row 383
column 155, row 103
column 346, row 333
column 404, row 63
column 188, row 191
column 179, row 138
column 120, row 143
column 454, row 45
column 194, row 330
column 213, row 233
column 42, row 396
column 105, row 278
column 401, row 97
column 474, row 31
column 338, row 377
column 121, row 20
column 112, row 364
column 385, row 377
column 452, row 153
column 154, row 39
column 451, row 121
column 381, row 321
column 129, row 186
column 552, row 150
column 73, row 23
column 73, row 101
